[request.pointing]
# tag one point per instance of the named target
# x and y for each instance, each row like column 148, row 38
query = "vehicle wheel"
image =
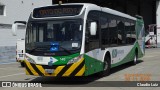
column 106, row 67
column 135, row 59
column 22, row 64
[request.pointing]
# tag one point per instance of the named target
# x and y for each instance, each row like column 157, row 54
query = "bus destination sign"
column 57, row 11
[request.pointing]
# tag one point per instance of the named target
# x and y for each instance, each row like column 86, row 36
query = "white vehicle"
column 81, row 39
column 20, row 51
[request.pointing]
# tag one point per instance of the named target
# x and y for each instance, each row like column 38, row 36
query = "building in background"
column 149, row 9
column 15, row 10
column 158, row 22
column 10, row 11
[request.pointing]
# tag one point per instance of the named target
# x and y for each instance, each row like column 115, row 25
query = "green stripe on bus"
column 92, row 65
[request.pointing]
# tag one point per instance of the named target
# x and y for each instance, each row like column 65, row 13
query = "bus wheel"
column 22, row 64
column 135, row 59
column 106, row 67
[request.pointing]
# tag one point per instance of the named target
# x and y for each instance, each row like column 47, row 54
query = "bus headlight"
column 30, row 60
column 76, row 59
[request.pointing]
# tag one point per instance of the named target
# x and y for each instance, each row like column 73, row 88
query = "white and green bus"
column 80, row 39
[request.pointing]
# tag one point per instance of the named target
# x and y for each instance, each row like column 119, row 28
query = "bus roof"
column 104, row 9
column 117, row 13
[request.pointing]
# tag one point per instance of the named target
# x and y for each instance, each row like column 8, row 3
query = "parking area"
column 148, row 67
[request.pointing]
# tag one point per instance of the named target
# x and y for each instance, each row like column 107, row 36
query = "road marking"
column 7, row 63
column 148, row 56
column 6, row 68
column 11, row 75
column 9, row 68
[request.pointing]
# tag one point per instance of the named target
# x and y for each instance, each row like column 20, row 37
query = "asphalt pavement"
column 147, row 69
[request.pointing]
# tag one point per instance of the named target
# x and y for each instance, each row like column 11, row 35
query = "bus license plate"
column 49, row 70
column 20, row 55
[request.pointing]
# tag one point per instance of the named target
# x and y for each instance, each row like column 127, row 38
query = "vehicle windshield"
column 53, row 37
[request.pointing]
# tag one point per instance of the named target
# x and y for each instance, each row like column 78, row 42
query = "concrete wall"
column 8, row 44
column 19, row 9
column 145, row 10
column 158, row 23
column 147, row 13
column 15, row 10
column 7, row 54
column 6, row 38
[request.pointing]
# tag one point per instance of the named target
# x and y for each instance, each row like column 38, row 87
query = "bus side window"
column 128, row 32
column 133, row 33
column 112, row 32
column 92, row 41
column 104, row 24
column 121, row 33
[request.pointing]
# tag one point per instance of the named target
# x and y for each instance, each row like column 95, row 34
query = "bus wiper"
column 35, row 49
column 68, row 51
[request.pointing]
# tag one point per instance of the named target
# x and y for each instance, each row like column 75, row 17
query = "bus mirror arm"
column 21, row 22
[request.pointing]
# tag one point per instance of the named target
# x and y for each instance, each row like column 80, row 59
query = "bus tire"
column 106, row 67
column 135, row 57
column 22, row 64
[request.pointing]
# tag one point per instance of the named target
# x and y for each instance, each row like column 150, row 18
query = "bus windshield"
column 41, row 36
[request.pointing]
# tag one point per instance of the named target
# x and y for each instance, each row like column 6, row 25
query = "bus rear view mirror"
column 15, row 26
column 93, row 28
column 14, row 29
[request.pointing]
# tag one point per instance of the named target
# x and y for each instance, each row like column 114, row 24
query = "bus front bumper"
column 75, row 69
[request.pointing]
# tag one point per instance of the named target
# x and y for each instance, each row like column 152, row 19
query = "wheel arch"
column 107, row 53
